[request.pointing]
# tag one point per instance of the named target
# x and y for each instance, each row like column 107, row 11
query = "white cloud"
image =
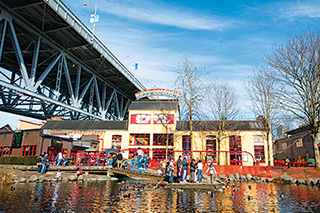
column 167, row 15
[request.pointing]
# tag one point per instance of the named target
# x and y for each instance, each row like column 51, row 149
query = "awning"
column 91, row 150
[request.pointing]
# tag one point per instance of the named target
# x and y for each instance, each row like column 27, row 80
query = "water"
column 105, row 196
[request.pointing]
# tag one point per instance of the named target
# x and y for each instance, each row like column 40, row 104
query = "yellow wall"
column 25, row 125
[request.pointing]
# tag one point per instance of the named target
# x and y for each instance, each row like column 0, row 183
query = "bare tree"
column 190, row 83
column 223, row 108
column 297, row 70
column 262, row 91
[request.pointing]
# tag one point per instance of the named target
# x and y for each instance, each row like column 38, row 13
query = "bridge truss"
column 51, row 65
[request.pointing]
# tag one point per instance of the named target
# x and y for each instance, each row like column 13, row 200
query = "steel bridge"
column 51, row 65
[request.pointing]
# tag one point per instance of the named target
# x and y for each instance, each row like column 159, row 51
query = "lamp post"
column 93, row 19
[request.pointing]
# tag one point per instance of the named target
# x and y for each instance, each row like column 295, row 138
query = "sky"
column 227, row 39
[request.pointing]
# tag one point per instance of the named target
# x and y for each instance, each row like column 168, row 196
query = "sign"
column 157, row 92
column 163, row 119
column 94, row 18
column 140, row 119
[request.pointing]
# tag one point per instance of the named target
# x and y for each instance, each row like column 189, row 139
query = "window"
column 211, row 148
column 27, row 134
column 116, row 142
column 4, row 136
column 133, row 152
column 5, row 151
column 235, row 150
column 259, row 148
column 139, row 139
column 299, row 142
column 256, row 125
column 161, row 139
column 186, row 145
column 16, row 140
column 28, row 150
column 160, row 154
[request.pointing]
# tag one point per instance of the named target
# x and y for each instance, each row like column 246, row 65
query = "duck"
column 249, row 187
column 250, row 197
column 12, row 188
column 126, row 196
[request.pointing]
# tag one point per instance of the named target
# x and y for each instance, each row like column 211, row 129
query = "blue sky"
column 227, row 38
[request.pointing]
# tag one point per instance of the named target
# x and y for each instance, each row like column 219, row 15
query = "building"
column 155, row 127
column 297, row 144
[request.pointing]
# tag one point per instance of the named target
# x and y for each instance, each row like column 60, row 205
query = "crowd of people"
column 182, row 166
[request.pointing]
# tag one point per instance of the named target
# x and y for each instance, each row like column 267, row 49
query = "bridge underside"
column 51, row 65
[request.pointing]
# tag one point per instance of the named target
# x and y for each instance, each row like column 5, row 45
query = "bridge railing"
column 87, row 34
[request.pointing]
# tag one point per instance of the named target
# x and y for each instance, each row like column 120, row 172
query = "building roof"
column 6, row 128
column 154, row 105
column 85, row 125
column 254, row 125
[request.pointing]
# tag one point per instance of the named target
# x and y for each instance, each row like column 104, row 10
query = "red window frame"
column 259, row 153
column 138, row 139
column 133, row 152
column 160, row 154
column 5, row 151
column 160, row 139
column 28, row 150
column 186, row 143
column 116, row 139
column 211, row 147
column 235, row 150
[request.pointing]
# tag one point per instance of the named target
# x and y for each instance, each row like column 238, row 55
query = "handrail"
column 60, row 8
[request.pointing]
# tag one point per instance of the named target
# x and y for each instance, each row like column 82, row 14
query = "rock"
column 263, row 179
column 41, row 179
column 22, row 180
column 221, row 177
column 205, row 176
column 72, row 178
column 80, row 178
column 237, row 176
column 231, row 176
column 33, row 178
column 299, row 181
column 269, row 180
column 242, row 178
column 286, row 179
column 310, row 182
column 65, row 180
column 249, row 177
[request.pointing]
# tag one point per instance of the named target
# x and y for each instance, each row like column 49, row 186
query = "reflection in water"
column 107, row 196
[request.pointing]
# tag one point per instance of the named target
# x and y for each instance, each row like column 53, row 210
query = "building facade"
column 154, row 126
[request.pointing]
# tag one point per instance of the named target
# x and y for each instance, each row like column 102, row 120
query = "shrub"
column 7, row 160
column 1, row 160
column 30, row 160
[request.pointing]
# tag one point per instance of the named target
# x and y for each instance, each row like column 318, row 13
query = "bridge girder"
column 43, row 78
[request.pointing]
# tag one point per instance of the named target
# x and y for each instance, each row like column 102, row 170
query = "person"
column 288, row 162
column 171, row 171
column 44, row 163
column 199, row 169
column 192, row 171
column 79, row 172
column 181, row 173
column 185, row 168
column 58, row 159
column 58, row 175
column 139, row 152
column 167, row 167
column 114, row 162
column 119, row 160
column 65, row 161
column 39, row 164
column 179, row 162
column 163, row 163
column 212, row 171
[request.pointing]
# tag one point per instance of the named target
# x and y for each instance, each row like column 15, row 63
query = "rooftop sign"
column 157, row 92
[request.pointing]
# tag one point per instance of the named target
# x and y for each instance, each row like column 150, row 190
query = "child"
column 212, row 171
column 58, row 175
column 181, row 171
column 79, row 172
column 171, row 171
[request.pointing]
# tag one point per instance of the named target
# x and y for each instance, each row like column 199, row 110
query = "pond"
column 113, row 196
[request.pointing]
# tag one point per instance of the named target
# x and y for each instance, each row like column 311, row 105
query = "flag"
column 135, row 66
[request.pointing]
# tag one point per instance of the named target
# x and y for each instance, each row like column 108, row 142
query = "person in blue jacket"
column 185, row 165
